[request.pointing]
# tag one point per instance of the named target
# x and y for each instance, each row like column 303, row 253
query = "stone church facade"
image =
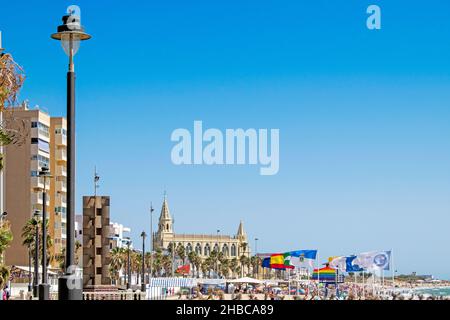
column 232, row 246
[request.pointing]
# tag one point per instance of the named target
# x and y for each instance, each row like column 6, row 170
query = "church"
column 202, row 244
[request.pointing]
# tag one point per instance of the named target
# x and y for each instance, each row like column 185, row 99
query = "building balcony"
column 61, row 201
column 37, row 183
column 36, row 198
column 60, row 139
column 61, row 155
column 61, row 186
column 61, row 171
column 36, row 133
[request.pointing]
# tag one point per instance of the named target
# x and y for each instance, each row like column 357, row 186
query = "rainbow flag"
column 325, row 274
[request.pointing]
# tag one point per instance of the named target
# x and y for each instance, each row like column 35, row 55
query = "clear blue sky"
column 363, row 116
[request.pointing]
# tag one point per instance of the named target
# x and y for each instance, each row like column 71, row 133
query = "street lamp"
column 36, row 216
column 44, row 287
column 128, row 263
column 256, row 257
column 151, row 240
column 143, row 235
column 70, row 33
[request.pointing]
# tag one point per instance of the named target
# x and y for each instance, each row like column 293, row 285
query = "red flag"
column 184, row 269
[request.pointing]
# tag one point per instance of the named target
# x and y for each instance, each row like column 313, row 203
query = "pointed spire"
column 241, row 231
column 165, row 213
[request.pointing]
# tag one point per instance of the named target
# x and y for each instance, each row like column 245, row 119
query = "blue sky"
column 363, row 116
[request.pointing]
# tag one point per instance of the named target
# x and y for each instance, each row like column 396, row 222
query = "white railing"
column 116, row 295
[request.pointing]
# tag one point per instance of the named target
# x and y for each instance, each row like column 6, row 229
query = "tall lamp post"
column 143, row 287
column 128, row 264
column 44, row 287
column 256, row 257
column 151, row 240
column 36, row 216
column 70, row 33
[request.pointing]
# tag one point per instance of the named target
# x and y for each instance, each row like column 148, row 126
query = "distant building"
column 44, row 147
column 203, row 244
column 117, row 239
column 96, row 241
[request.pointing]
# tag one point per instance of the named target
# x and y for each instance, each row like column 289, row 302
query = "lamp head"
column 70, row 33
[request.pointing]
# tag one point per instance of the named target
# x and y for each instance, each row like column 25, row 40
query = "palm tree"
column 4, row 276
column 234, row 265
column 117, row 263
column 181, row 252
column 157, row 262
column 6, row 238
column 244, row 262
column 29, row 238
column 225, row 268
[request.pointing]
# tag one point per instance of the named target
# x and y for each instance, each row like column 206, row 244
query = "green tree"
column 11, row 81
column 29, row 238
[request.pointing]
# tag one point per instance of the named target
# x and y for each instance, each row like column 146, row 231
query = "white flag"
column 339, row 263
column 374, row 260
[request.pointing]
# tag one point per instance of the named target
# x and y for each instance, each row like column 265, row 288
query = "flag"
column 280, row 261
column 184, row 269
column 326, row 274
column 302, row 258
column 345, row 264
column 374, row 260
column 266, row 263
column 339, row 263
column 350, row 266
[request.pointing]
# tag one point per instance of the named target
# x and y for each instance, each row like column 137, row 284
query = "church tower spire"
column 241, row 232
column 165, row 220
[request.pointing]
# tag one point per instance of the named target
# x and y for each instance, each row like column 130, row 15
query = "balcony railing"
column 36, row 198
column 61, row 171
column 61, row 186
column 60, row 139
column 61, row 155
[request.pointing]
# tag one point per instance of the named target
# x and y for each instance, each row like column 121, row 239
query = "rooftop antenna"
column 96, row 179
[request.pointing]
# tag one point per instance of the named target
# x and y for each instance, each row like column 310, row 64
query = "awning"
column 26, row 269
column 245, row 280
column 172, row 282
column 212, row 281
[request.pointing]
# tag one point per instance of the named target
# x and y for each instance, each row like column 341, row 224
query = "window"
column 42, row 161
column 42, row 145
column 225, row 250
column 98, row 231
column 207, row 250
column 99, row 270
column 34, row 174
column 61, row 131
column 99, row 251
column 233, row 250
column 198, row 249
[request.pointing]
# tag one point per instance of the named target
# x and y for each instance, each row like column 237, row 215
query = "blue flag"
column 350, row 267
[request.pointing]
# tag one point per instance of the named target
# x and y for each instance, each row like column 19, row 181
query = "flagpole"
column 393, row 269
column 364, row 287
column 318, row 274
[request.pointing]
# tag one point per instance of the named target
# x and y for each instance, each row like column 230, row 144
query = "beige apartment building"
column 23, row 188
column 232, row 246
